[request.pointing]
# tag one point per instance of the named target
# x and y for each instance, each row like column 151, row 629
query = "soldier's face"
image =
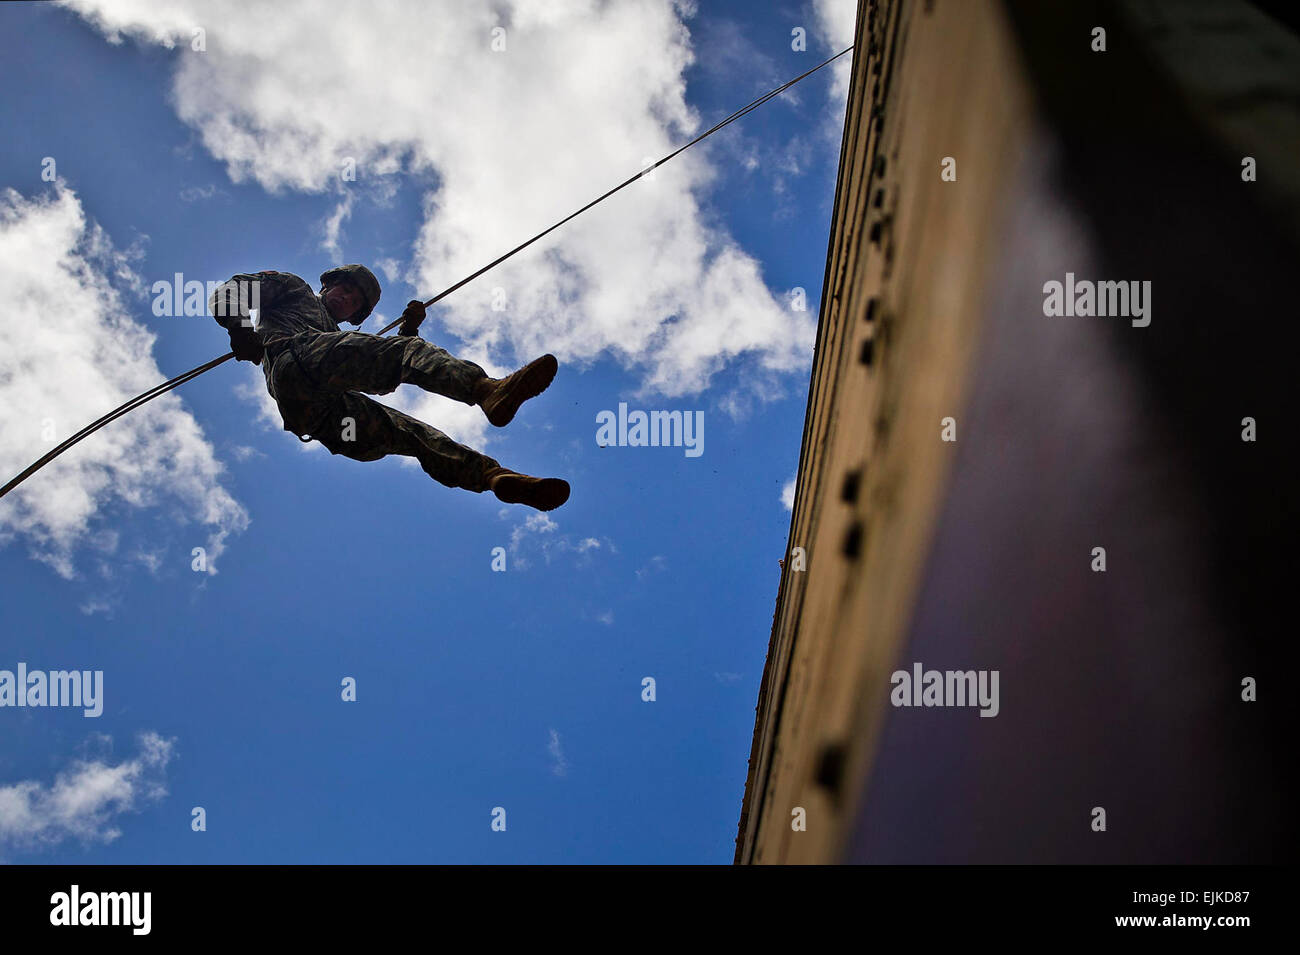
column 342, row 301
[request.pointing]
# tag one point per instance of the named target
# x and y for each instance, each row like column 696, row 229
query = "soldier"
column 315, row 372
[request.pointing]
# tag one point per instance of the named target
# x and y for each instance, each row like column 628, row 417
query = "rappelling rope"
column 627, row 182
column 179, row 380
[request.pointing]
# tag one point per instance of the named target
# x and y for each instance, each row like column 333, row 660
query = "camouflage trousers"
column 315, row 379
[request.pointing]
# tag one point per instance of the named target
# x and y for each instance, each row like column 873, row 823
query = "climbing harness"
column 179, row 380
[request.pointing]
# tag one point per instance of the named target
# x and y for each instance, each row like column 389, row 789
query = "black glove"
column 412, row 316
column 246, row 344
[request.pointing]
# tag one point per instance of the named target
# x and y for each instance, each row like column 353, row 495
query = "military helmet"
column 363, row 279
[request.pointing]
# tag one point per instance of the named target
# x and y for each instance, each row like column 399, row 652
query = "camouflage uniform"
column 315, row 372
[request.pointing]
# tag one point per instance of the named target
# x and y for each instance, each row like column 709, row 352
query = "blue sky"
column 475, row 689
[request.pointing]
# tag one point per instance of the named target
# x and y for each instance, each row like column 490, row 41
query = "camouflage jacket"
column 286, row 306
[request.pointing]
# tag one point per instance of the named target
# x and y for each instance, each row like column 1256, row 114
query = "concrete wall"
column 1118, row 689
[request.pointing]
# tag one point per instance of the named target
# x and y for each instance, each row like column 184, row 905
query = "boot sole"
column 545, row 494
column 536, row 378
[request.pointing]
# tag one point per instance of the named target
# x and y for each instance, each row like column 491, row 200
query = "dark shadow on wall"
column 1124, row 689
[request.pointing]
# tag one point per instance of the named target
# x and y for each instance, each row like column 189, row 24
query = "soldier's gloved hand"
column 246, row 344
column 412, row 316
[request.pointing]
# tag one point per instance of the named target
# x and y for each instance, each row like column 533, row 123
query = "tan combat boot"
column 505, row 396
column 511, row 487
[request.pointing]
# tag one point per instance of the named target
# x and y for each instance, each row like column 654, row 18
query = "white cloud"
column 96, row 605
column 533, row 524
column 740, row 58
column 391, row 269
column 656, row 564
column 71, row 353
column 538, row 534
column 253, row 390
column 559, row 765
column 195, row 193
column 582, row 94
column 333, row 227
column 836, row 22
column 85, row 798
column 787, row 493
